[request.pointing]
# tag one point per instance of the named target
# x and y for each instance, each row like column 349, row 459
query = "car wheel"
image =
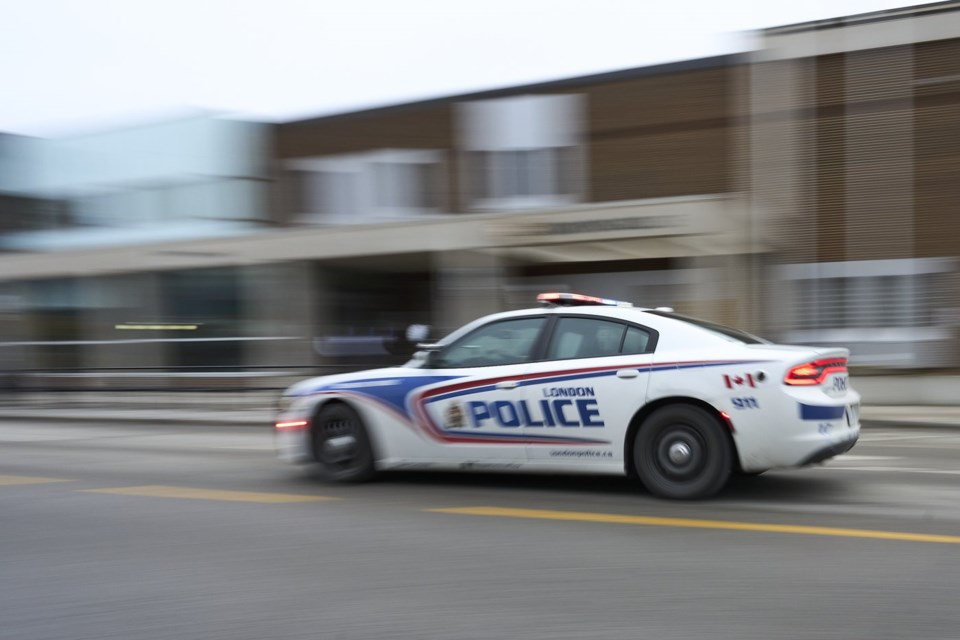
column 341, row 446
column 682, row 452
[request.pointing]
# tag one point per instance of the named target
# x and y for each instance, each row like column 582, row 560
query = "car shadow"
column 772, row 487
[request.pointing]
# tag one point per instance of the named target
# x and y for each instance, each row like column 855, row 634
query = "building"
column 855, row 171
column 806, row 191
column 80, row 216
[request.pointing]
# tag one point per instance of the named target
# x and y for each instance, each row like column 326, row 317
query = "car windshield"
column 728, row 333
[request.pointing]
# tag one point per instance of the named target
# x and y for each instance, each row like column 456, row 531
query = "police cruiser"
column 582, row 384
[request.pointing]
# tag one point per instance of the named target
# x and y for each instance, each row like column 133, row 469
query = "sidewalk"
column 870, row 417
column 931, row 416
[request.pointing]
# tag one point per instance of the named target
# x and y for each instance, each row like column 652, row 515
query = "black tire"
column 681, row 452
column 342, row 460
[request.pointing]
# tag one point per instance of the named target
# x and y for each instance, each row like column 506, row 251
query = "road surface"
column 148, row 532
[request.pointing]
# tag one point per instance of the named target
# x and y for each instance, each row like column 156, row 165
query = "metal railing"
column 193, row 387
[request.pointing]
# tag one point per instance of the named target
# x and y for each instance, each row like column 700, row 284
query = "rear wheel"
column 341, row 445
column 681, row 452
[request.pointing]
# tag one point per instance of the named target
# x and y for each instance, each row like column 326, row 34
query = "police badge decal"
column 453, row 416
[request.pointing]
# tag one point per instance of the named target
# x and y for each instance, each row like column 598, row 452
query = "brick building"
column 806, row 190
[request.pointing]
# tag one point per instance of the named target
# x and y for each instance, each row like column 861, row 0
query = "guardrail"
column 217, row 388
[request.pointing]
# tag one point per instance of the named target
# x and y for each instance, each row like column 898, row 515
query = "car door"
column 580, row 398
column 474, row 414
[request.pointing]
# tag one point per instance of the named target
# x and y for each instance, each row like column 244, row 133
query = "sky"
column 69, row 66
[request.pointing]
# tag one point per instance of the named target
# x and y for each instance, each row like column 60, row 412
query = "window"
column 497, row 343
column 534, row 174
column 522, row 151
column 636, row 341
column 409, row 185
column 594, row 338
column 867, row 295
column 371, row 185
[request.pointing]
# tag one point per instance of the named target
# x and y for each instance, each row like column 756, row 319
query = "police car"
column 582, row 384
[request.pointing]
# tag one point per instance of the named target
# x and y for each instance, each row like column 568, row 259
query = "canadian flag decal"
column 738, row 381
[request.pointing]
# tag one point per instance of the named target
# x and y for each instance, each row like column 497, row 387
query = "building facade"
column 855, row 171
column 806, row 191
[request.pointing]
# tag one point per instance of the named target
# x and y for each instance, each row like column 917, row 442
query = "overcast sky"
column 71, row 65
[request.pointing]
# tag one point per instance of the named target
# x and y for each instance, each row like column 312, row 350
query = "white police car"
column 582, row 384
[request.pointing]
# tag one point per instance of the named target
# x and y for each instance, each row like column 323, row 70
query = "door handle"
column 627, row 373
column 507, row 384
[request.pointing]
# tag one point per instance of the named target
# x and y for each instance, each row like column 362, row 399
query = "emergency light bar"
column 578, row 300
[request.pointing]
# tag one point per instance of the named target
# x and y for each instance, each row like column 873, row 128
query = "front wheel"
column 341, row 446
column 681, row 452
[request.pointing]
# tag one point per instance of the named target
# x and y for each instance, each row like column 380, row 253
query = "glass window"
column 497, row 343
column 636, row 341
column 585, row 338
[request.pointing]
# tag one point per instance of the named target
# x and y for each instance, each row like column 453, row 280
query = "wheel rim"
column 337, row 444
column 680, row 453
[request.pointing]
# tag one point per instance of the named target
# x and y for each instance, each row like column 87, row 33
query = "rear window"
column 728, row 333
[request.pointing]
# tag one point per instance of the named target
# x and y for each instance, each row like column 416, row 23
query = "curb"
column 877, row 423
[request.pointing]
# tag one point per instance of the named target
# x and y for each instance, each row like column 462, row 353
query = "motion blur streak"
column 6, row 481
column 156, row 491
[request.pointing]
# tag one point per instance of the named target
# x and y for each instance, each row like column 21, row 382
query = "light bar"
column 577, row 300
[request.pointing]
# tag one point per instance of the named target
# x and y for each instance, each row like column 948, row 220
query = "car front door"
column 579, row 400
column 474, row 416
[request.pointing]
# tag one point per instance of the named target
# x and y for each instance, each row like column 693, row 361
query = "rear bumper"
column 829, row 451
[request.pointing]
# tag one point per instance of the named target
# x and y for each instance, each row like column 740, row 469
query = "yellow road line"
column 159, row 491
column 613, row 518
column 7, row 481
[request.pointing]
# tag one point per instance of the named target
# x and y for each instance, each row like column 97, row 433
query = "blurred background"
column 800, row 182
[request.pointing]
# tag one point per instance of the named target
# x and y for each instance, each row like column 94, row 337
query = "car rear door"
column 579, row 400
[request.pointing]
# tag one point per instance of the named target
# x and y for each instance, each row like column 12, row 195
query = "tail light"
column 814, row 373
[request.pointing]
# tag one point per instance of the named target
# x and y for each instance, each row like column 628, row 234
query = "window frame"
column 538, row 352
column 535, row 354
column 551, row 329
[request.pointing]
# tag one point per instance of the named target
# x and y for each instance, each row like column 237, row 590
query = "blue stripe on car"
column 820, row 412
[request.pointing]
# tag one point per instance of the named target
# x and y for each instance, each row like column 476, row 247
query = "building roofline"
column 871, row 17
column 682, row 66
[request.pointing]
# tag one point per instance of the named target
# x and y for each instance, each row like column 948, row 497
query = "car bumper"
column 798, row 432
column 292, row 445
column 831, row 450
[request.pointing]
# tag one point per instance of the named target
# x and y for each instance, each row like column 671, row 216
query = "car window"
column 636, row 341
column 497, row 343
column 585, row 338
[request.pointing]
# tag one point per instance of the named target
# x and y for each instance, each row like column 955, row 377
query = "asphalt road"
column 145, row 532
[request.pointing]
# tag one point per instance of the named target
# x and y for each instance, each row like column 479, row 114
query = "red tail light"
column 813, row 373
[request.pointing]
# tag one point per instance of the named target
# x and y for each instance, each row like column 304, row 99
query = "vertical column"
column 16, row 332
column 879, row 143
column 715, row 288
column 281, row 309
column 782, row 176
column 468, row 284
column 751, row 270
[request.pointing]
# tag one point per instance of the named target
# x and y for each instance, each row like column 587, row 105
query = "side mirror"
column 427, row 354
column 418, row 333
